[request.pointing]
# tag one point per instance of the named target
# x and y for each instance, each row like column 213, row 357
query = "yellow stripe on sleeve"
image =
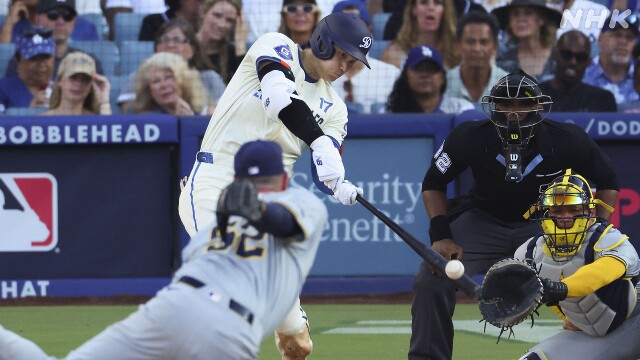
column 559, row 312
column 592, row 277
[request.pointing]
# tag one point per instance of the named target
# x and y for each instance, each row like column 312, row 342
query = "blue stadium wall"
column 106, row 188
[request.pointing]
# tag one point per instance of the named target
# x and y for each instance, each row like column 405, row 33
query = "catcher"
column 589, row 270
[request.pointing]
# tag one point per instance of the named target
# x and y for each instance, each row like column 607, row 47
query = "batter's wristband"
column 439, row 228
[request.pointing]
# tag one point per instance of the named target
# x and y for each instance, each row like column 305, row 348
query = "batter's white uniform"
column 240, row 117
column 609, row 320
column 225, row 299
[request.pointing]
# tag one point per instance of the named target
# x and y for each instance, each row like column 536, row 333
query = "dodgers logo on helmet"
column 366, row 42
column 28, row 212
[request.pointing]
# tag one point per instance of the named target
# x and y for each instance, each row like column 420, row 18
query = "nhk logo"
column 28, row 212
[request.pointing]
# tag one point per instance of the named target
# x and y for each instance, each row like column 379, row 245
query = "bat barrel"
column 437, row 261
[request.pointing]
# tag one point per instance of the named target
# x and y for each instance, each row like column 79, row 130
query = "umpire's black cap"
column 258, row 158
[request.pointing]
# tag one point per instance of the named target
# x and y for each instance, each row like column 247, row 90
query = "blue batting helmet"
column 344, row 30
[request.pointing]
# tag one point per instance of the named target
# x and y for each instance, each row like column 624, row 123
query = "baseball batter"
column 589, row 272
column 282, row 92
column 232, row 291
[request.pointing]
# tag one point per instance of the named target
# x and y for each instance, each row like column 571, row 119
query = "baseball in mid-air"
column 454, row 269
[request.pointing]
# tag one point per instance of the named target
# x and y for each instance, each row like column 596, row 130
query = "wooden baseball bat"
column 437, row 261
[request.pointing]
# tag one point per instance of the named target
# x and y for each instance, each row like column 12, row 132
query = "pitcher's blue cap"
column 423, row 53
column 258, row 158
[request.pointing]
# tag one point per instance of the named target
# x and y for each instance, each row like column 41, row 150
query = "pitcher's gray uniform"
column 259, row 272
column 222, row 302
column 603, row 335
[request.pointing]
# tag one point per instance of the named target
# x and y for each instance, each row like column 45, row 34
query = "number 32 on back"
column 245, row 242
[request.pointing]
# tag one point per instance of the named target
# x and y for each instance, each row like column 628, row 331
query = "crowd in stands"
column 63, row 57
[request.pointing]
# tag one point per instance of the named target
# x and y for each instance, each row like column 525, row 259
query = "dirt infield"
column 399, row 298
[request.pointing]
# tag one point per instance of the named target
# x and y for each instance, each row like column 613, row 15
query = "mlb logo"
column 28, row 212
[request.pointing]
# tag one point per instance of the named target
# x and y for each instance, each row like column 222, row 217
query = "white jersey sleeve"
column 240, row 116
column 321, row 97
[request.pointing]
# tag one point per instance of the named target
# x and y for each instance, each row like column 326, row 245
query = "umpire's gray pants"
column 484, row 240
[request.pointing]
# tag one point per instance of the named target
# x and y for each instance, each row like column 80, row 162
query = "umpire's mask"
column 515, row 105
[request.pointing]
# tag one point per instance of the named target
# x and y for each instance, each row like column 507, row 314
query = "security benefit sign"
column 28, row 212
column 354, row 241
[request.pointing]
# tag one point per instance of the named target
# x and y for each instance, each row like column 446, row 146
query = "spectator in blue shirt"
column 25, row 13
column 60, row 17
column 612, row 70
column 32, row 86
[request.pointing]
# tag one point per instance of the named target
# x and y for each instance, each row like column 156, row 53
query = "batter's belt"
column 238, row 308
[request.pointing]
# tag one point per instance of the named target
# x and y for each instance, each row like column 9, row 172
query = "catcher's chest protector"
column 598, row 313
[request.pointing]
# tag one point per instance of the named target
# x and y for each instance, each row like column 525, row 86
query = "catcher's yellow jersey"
column 240, row 117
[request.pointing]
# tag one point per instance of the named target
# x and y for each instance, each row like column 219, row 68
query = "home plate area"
column 542, row 328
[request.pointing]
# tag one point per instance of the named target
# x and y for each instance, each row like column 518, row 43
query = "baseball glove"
column 239, row 198
column 511, row 292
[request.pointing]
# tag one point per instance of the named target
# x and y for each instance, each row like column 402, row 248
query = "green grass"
column 58, row 329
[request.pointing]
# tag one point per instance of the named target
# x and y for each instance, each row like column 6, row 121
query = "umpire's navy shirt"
column 554, row 148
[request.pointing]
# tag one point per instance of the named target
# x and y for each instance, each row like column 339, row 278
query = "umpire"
column 511, row 156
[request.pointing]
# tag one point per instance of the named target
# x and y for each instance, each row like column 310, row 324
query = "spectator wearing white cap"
column 31, row 87
column 360, row 86
column 79, row 89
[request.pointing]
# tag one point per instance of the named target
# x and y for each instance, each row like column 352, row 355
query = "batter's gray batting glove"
column 346, row 193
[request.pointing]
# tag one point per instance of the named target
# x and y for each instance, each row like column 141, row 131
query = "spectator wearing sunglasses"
column 571, row 55
column 299, row 19
column 613, row 69
column 31, row 87
column 25, row 13
column 60, row 17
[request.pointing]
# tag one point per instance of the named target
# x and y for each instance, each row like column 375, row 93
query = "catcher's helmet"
column 517, row 100
column 571, row 190
column 344, row 30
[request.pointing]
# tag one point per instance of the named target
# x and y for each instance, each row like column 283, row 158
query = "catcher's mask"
column 515, row 105
column 569, row 193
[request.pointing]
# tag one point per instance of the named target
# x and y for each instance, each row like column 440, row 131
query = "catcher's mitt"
column 511, row 292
